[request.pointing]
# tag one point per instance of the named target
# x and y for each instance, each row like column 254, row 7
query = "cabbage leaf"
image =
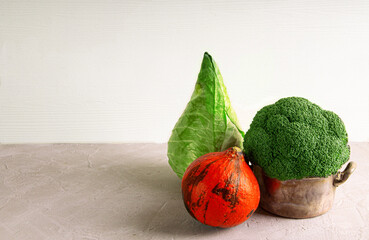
column 208, row 124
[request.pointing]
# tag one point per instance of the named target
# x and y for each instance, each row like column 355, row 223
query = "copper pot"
column 304, row 198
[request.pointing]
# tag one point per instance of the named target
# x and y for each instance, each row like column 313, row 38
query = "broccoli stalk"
column 294, row 138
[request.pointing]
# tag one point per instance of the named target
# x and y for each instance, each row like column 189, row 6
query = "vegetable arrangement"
column 291, row 139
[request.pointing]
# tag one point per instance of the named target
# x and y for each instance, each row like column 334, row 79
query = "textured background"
column 123, row 71
column 128, row 191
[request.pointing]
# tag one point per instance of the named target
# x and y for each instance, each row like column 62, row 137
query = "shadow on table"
column 161, row 209
column 260, row 211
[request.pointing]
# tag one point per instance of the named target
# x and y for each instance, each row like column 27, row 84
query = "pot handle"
column 341, row 177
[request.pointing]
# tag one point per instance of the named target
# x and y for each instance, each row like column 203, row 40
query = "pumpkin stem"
column 237, row 149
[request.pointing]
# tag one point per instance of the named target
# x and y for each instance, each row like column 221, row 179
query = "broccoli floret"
column 294, row 138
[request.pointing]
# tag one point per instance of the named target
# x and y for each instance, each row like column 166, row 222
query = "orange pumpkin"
column 219, row 189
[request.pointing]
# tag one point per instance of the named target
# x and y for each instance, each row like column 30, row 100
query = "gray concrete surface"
column 128, row 191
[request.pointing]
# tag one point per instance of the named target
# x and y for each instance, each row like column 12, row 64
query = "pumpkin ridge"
column 206, row 209
column 234, row 199
column 197, row 180
column 250, row 213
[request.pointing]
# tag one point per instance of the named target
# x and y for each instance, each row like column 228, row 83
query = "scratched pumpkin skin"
column 219, row 189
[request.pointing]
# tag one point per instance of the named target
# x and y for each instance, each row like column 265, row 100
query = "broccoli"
column 294, row 138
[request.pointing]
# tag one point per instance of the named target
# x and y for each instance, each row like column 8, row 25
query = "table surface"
column 128, row 191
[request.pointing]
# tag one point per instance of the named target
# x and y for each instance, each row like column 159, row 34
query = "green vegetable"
column 294, row 138
column 208, row 124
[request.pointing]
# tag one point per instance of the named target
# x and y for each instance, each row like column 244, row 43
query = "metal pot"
column 304, row 198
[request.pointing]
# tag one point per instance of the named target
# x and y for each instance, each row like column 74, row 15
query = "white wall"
column 123, row 71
